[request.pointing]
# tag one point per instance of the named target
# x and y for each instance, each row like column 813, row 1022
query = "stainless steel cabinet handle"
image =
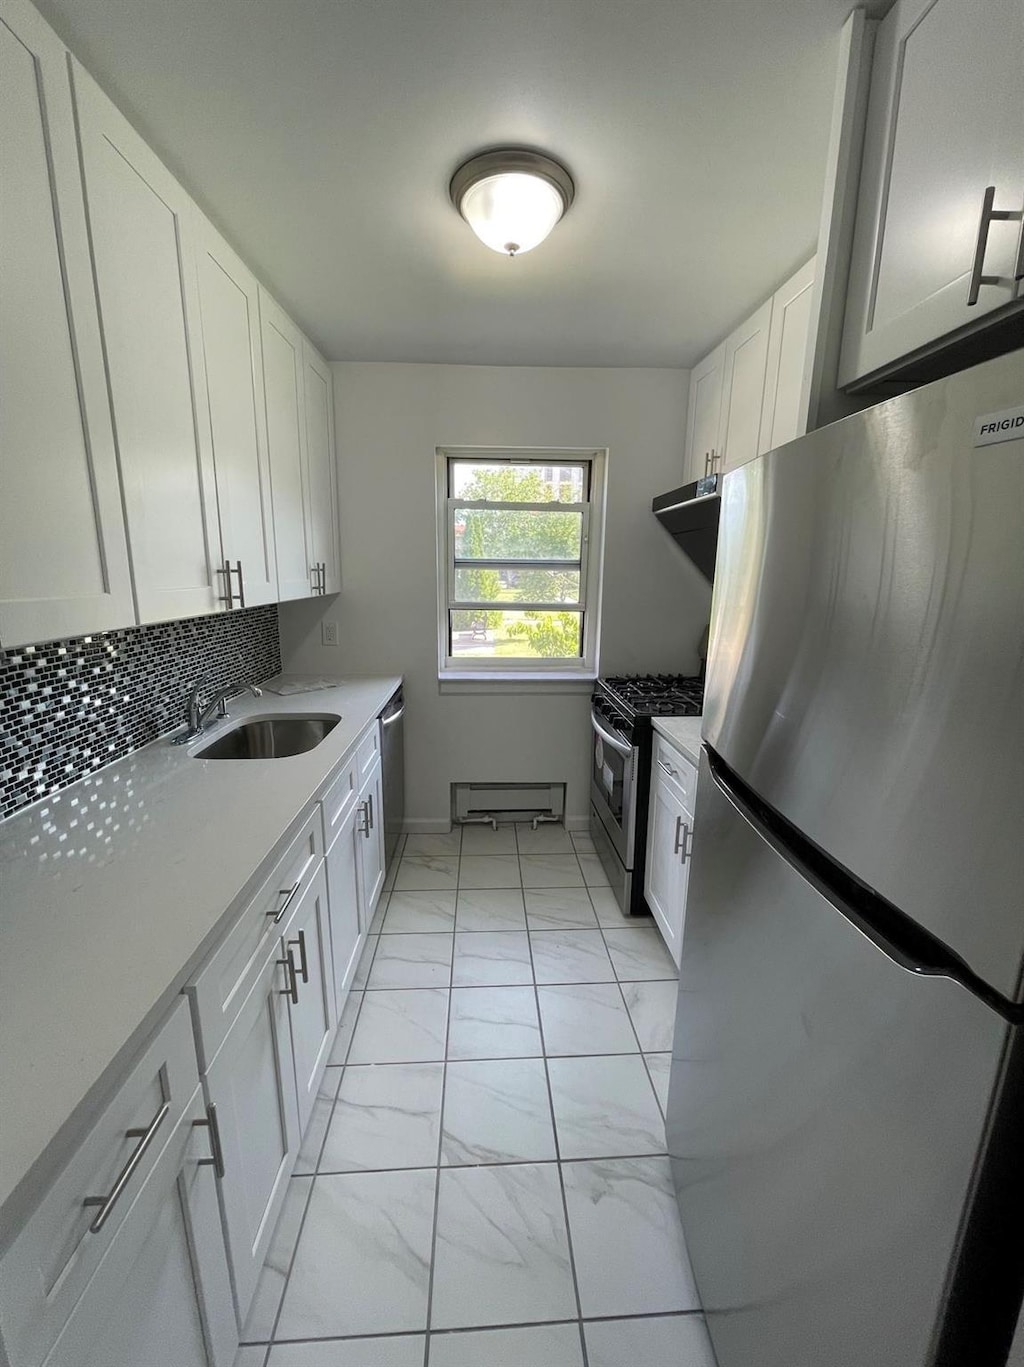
column 145, row 1137
column 707, row 463
column 988, row 216
column 290, row 977
column 323, row 576
column 668, row 768
column 680, row 839
column 229, row 595
column 289, row 896
column 682, row 845
column 216, row 1149
column 364, row 829
column 304, row 962
column 370, row 801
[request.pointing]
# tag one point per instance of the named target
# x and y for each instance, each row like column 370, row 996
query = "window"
column 520, row 562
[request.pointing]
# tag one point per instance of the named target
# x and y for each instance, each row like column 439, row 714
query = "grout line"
column 437, row 1177
column 558, row 1155
column 495, row 1163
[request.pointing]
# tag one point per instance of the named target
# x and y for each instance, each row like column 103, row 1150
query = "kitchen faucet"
column 198, row 716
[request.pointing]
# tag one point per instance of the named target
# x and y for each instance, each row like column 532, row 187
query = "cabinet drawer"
column 670, row 767
column 222, row 986
column 48, row 1266
column 339, row 800
column 369, row 749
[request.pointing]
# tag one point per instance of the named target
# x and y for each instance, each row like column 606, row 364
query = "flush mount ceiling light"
column 511, row 198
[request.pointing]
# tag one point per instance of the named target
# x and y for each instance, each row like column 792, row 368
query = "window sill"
column 516, row 681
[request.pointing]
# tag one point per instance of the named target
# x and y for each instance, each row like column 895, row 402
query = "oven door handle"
column 609, row 739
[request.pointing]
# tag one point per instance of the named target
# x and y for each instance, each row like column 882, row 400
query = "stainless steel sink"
column 269, row 738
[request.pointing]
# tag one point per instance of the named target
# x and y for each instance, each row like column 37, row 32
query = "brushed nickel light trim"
column 511, row 161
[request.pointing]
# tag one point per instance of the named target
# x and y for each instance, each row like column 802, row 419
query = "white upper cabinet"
column 704, row 416
column 140, row 221
column 746, row 363
column 782, row 418
column 945, row 122
column 286, row 435
column 233, row 367
column 322, row 484
column 64, row 558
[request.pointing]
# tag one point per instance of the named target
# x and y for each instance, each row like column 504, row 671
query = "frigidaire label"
column 1004, row 426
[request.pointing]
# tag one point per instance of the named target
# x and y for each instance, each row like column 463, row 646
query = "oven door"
column 613, row 771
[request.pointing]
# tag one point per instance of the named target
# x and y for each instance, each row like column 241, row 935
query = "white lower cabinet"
column 347, row 924
column 161, row 1294
column 252, row 1084
column 312, row 1013
column 370, row 807
column 669, row 843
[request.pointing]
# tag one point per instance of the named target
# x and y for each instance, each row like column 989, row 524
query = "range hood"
column 690, row 516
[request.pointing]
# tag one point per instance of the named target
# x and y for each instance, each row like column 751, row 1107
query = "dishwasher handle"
column 395, row 716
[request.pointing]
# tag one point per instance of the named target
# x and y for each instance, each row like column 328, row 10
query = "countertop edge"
column 22, row 1197
column 684, row 733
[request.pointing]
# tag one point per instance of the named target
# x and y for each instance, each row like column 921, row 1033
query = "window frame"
column 579, row 669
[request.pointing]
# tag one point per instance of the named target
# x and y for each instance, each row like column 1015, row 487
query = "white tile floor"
column 484, row 1180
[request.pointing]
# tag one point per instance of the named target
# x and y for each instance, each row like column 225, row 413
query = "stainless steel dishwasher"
column 393, row 772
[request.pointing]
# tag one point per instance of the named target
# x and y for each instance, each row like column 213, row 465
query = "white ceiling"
column 320, row 136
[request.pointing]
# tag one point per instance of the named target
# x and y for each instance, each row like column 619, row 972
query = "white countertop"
column 683, row 733
column 113, row 892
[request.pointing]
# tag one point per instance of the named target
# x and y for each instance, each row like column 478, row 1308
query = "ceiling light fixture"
column 511, row 198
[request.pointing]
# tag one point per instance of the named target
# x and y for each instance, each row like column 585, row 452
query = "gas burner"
column 655, row 695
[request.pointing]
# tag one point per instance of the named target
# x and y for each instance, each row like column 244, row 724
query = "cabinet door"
column 308, row 944
column 347, row 934
column 139, row 220
column 371, row 844
column 746, row 360
column 286, row 437
column 668, row 863
column 233, row 369
column 161, row 1295
column 252, row 1083
column 781, row 418
column 323, row 501
column 704, row 415
column 945, row 120
column 65, row 557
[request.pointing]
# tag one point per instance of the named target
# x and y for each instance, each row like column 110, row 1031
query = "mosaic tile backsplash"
column 69, row 707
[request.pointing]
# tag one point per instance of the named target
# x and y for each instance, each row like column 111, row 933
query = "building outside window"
column 520, row 539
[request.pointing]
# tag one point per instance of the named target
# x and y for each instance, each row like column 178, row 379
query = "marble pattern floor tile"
column 585, row 1018
column 485, row 840
column 548, row 838
column 496, row 1111
column 401, row 1027
column 365, row 963
column 639, row 954
column 259, row 1323
column 609, row 913
column 362, row 1264
column 535, row 1345
column 491, row 959
column 403, row 1350
column 604, row 1107
column 411, row 961
column 652, row 1009
column 251, row 1355
column 416, row 912
column 493, row 1022
column 346, row 1028
column 319, row 1120
column 659, row 1066
column 550, row 871
column 593, row 870
column 502, row 1255
column 570, row 956
column 559, row 909
column 386, row 1116
column 661, row 1341
column 630, row 1253
column 582, row 843
column 447, row 844
column 427, row 872
column 489, row 871
column 378, row 915
column 490, row 909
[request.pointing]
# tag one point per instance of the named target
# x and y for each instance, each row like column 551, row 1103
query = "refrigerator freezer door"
column 866, row 673
column 825, row 1116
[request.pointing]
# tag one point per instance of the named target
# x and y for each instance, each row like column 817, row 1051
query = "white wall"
column 390, row 419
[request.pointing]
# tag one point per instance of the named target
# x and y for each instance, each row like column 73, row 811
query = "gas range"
column 629, row 701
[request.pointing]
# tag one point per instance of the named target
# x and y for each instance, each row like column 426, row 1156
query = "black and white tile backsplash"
column 69, row 707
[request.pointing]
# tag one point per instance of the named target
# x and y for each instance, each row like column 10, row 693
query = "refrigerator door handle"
column 890, row 930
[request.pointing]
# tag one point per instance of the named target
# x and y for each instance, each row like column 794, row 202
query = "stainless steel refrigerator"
column 846, row 1106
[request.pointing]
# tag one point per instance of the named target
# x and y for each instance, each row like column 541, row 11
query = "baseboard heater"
column 494, row 802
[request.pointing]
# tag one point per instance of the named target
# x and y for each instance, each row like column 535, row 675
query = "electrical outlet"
column 329, row 631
